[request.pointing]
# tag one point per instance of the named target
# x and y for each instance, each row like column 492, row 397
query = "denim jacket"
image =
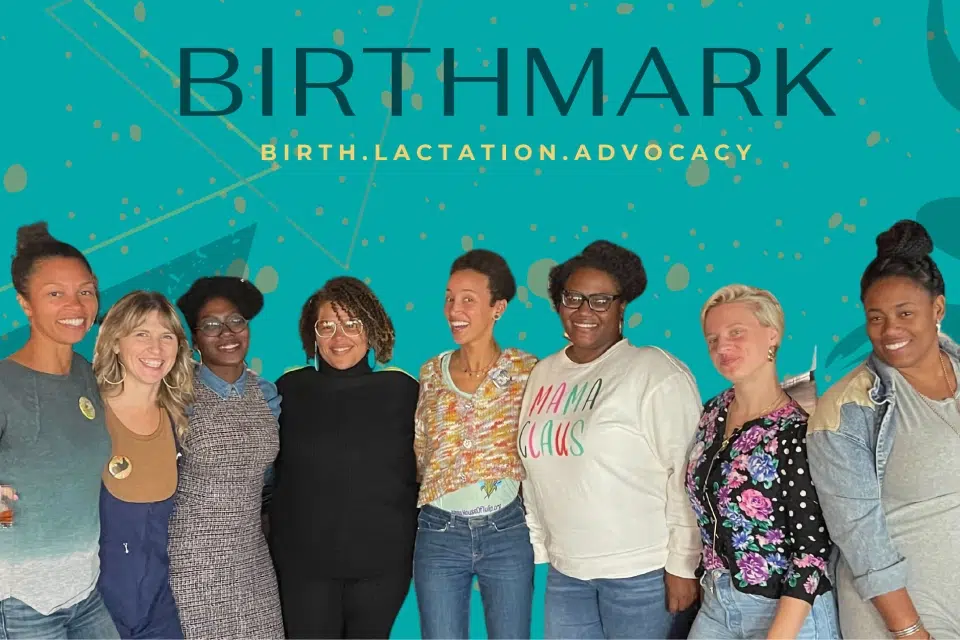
column 849, row 440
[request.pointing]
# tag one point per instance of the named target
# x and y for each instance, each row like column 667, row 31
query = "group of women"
column 157, row 495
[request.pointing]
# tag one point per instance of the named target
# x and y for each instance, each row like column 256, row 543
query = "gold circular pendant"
column 119, row 467
column 86, row 408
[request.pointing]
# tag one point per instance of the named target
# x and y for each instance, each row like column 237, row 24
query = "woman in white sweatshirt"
column 605, row 427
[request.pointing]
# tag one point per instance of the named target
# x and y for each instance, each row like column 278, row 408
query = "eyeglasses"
column 597, row 301
column 351, row 327
column 212, row 327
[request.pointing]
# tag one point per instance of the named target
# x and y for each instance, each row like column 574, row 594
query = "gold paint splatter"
column 179, row 191
column 634, row 320
column 343, row 179
column 736, row 179
column 669, row 6
column 256, row 70
column 298, row 13
column 140, row 12
column 240, row 204
column 442, row 206
column 844, row 299
column 779, row 222
column 780, row 255
column 533, row 227
column 797, row 255
column 698, row 173
column 294, row 133
column 693, row 232
column 835, row 220
column 731, row 160
column 706, row 3
column 876, row 22
column 345, row 221
column 386, row 98
column 493, row 20
column 136, row 133
column 808, row 19
column 69, row 107
column 850, row 228
column 826, row 239
column 267, row 279
column 702, row 246
column 709, row 268
column 863, row 202
column 15, row 179
column 736, row 244
column 780, row 26
column 466, row 242
column 873, row 138
column 538, row 275
column 114, row 136
column 71, row 215
column 338, row 37
column 124, row 250
column 409, row 306
column 232, row 222
column 239, row 269
column 778, row 124
column 68, row 163
column 406, row 76
column 624, row 8
column 666, row 334
column 480, row 237
column 384, row 11
column 538, row 171
column 319, row 211
column 523, row 294
column 630, row 206
column 666, row 258
column 678, row 277
column 786, row 165
column 280, row 239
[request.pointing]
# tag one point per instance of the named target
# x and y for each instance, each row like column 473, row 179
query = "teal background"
column 92, row 142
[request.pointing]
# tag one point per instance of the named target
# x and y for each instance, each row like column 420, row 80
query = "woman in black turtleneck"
column 343, row 516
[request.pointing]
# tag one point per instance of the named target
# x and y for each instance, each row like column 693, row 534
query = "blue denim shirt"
column 849, row 440
column 226, row 390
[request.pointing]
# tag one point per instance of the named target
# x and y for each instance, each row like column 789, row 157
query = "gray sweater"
column 53, row 448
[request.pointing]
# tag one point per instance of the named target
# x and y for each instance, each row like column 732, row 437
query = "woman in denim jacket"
column 884, row 446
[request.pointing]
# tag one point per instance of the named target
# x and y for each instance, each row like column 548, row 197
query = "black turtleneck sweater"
column 345, row 496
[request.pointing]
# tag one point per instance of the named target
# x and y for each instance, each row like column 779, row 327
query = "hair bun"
column 906, row 239
column 32, row 234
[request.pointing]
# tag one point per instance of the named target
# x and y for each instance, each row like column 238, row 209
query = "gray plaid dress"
column 221, row 572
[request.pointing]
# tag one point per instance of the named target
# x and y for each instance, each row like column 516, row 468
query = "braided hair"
column 354, row 298
column 904, row 250
column 621, row 264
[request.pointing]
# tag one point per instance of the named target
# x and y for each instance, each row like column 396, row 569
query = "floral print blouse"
column 756, row 505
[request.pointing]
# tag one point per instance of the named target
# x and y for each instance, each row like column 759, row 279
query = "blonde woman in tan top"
column 472, row 520
column 142, row 365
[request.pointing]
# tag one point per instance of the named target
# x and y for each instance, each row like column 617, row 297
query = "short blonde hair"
column 766, row 308
column 125, row 316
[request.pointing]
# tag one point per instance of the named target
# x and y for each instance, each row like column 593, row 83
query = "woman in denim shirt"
column 884, row 446
column 765, row 545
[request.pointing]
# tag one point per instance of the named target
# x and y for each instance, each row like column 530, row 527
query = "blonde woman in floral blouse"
column 765, row 544
column 472, row 520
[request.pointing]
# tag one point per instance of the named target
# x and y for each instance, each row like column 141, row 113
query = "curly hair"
column 621, row 264
column 904, row 250
column 357, row 300
column 121, row 320
column 500, row 280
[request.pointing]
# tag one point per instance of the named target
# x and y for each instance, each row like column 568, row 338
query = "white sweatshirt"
column 605, row 445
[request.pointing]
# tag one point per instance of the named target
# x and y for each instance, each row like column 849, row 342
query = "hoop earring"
column 771, row 354
column 938, row 326
column 122, row 377
column 199, row 355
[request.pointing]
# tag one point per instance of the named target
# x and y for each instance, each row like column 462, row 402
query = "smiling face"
column 149, row 352
column 61, row 301
column 229, row 349
column 592, row 331
column 348, row 343
column 738, row 343
column 468, row 307
column 902, row 320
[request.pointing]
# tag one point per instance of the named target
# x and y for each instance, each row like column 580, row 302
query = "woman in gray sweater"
column 53, row 446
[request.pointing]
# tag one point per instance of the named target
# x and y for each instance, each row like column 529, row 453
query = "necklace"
column 950, row 394
column 482, row 370
column 765, row 411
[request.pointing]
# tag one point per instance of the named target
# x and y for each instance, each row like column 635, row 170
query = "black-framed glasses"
column 213, row 327
column 351, row 327
column 599, row 302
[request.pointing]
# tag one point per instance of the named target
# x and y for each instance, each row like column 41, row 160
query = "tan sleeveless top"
column 142, row 468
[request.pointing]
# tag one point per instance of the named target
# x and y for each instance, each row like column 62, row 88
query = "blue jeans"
column 87, row 620
column 729, row 613
column 633, row 607
column 450, row 550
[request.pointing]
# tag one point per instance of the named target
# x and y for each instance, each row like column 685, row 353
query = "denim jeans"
column 634, row 607
column 87, row 620
column 451, row 550
column 729, row 613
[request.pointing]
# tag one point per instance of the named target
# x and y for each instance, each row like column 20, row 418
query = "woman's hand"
column 681, row 592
